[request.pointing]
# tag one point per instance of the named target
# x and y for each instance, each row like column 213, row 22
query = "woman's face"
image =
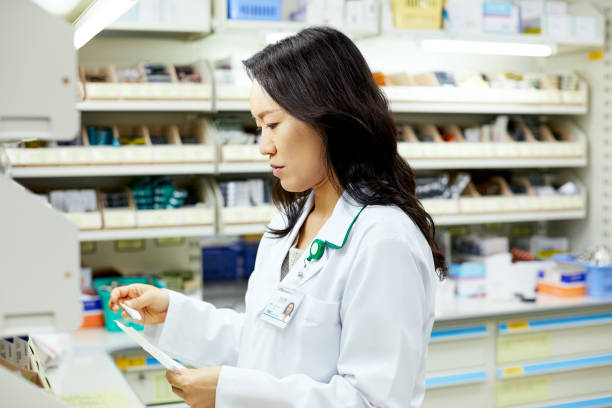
column 294, row 149
column 289, row 308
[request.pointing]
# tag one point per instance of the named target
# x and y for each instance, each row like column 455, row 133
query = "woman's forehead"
column 261, row 102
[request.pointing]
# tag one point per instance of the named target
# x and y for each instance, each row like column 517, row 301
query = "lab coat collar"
column 335, row 229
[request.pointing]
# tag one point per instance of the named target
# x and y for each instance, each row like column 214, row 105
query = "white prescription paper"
column 134, row 314
column 162, row 357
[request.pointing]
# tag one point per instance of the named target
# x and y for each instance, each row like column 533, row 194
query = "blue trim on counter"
column 455, row 379
column 557, row 366
column 560, row 322
column 459, row 333
column 591, row 403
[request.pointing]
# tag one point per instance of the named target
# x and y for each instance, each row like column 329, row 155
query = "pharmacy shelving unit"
column 246, row 160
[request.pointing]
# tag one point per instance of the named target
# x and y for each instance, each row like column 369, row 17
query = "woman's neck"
column 325, row 199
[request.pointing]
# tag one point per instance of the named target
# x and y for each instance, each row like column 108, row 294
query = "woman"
column 288, row 311
column 353, row 249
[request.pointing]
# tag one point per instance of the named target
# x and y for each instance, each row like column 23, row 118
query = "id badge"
column 281, row 307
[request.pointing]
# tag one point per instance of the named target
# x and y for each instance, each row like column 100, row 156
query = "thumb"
column 142, row 301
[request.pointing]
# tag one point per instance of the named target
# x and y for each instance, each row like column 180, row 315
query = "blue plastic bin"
column 598, row 278
column 109, row 316
column 222, row 263
column 260, row 10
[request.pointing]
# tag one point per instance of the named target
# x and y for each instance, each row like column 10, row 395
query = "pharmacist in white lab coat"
column 352, row 250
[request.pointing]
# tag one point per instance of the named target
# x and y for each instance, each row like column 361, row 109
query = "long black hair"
column 320, row 77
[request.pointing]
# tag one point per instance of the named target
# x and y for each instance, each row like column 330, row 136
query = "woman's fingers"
column 178, row 392
column 174, row 378
column 117, row 294
column 142, row 301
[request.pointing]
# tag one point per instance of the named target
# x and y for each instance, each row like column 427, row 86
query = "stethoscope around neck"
column 317, row 247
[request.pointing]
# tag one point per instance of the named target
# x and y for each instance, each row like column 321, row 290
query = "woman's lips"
column 276, row 169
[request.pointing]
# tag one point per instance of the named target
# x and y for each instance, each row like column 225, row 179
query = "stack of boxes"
column 481, row 267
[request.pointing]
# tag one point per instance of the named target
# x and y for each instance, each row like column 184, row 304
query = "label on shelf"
column 125, row 362
column 522, row 391
column 523, row 347
column 130, row 245
column 513, row 371
column 514, row 327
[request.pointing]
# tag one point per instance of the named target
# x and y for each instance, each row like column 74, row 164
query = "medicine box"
column 500, row 17
column 598, row 278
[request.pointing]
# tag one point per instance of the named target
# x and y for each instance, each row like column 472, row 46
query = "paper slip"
column 162, row 357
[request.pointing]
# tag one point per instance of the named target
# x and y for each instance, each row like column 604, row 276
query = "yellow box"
column 417, row 14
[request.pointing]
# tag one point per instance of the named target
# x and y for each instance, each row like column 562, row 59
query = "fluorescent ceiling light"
column 97, row 17
column 488, row 47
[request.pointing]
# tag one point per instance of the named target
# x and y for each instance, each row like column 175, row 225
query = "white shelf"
column 229, row 24
column 112, row 170
column 437, row 164
column 243, row 229
column 449, row 164
column 480, row 308
column 144, row 106
column 468, row 219
column 233, row 106
column 145, row 233
column 170, row 28
column 432, row 107
column 234, row 168
column 436, row 107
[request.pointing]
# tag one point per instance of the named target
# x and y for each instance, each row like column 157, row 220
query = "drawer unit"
column 459, row 347
column 554, row 337
column 460, row 389
column 553, row 379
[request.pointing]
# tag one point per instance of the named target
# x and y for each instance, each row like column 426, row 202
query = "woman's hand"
column 151, row 302
column 198, row 388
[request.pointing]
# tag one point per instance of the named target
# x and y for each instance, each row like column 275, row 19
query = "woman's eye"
column 271, row 125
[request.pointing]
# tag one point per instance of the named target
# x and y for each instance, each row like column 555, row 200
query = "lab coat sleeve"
column 197, row 333
column 384, row 315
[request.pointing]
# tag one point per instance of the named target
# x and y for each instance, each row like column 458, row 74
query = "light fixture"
column 96, row 17
column 488, row 47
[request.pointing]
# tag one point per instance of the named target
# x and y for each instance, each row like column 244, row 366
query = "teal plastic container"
column 110, row 316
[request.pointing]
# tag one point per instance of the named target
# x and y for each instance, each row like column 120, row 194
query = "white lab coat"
column 359, row 338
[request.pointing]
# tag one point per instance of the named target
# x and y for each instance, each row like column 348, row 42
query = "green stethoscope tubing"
column 317, row 248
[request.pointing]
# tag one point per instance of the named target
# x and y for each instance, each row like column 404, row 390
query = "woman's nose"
column 266, row 146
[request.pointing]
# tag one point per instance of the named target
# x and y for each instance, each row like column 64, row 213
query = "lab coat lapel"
column 286, row 242
column 333, row 231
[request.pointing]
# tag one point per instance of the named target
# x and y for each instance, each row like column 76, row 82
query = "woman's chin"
column 287, row 185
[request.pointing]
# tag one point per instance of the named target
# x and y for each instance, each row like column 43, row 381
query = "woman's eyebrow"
column 264, row 113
